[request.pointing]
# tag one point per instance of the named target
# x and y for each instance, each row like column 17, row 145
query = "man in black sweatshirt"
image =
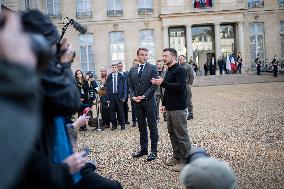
column 174, row 103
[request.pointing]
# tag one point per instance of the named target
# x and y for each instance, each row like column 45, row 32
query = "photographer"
column 203, row 172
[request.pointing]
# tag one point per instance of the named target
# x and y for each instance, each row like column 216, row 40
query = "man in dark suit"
column 125, row 106
column 116, row 94
column 142, row 92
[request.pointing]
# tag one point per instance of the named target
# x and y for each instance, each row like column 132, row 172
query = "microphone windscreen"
column 82, row 29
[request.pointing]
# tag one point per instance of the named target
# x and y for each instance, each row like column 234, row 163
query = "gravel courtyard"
column 241, row 124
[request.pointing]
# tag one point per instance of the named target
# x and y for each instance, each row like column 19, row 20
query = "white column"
column 189, row 41
column 166, row 37
column 217, row 40
column 241, row 38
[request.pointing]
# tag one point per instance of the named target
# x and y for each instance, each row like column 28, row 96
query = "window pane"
column 282, row 26
column 202, row 4
column 147, row 41
column 116, row 47
column 282, row 45
column 87, row 52
column 144, row 3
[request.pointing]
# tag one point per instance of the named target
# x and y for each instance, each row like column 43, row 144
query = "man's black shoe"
column 152, row 156
column 113, row 128
column 122, row 127
column 139, row 154
column 189, row 117
column 134, row 124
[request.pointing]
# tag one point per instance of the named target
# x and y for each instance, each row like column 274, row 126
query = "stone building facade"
column 200, row 29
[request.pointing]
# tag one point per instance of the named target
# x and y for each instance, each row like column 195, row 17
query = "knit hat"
column 35, row 22
column 208, row 173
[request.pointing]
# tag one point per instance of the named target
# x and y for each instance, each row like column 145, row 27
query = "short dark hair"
column 141, row 49
column 182, row 56
column 172, row 51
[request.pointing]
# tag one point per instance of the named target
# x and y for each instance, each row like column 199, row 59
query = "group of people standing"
column 228, row 66
column 147, row 86
column 274, row 66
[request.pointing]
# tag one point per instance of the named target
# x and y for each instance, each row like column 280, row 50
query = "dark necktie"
column 140, row 71
column 114, row 84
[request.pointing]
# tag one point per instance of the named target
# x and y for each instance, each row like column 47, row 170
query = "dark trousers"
column 258, row 70
column 147, row 113
column 126, row 108
column 133, row 112
column 116, row 108
column 275, row 71
column 240, row 68
column 92, row 180
column 105, row 112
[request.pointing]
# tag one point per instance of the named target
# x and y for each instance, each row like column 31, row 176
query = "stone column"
column 217, row 45
column 166, row 37
column 217, row 40
column 189, row 41
column 241, row 39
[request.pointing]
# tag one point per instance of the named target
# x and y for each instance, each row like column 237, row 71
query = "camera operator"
column 53, row 163
column 203, row 172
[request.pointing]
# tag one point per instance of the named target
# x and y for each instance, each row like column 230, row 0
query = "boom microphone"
column 82, row 29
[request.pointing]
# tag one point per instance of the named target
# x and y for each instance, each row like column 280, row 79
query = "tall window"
column 116, row 47
column 282, row 39
column 227, row 35
column 177, row 40
column 84, row 8
column 87, row 52
column 202, row 43
column 255, row 3
column 147, row 40
column 31, row 4
column 114, row 8
column 281, row 3
column 256, row 42
column 145, row 6
column 53, row 8
column 202, row 4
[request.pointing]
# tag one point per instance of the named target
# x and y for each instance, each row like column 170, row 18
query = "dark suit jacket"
column 121, row 86
column 143, row 86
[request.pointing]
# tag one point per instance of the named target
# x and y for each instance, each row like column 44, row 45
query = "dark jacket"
column 175, row 88
column 20, row 119
column 61, row 98
column 143, row 86
column 121, row 87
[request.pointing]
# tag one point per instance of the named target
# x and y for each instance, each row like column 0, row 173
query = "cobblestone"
column 241, row 124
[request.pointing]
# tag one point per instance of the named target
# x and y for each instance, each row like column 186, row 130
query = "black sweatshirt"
column 175, row 88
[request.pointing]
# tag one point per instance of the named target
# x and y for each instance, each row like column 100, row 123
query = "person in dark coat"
column 83, row 88
column 142, row 92
column 125, row 74
column 116, row 94
column 240, row 62
column 275, row 66
column 258, row 64
column 221, row 64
